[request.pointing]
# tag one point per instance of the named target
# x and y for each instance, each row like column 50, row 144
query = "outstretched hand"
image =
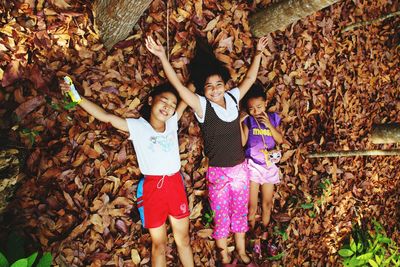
column 64, row 87
column 262, row 43
column 154, row 47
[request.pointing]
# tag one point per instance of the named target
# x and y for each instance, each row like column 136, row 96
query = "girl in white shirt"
column 160, row 193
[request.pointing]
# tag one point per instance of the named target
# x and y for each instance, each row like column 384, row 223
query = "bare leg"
column 241, row 247
column 180, row 228
column 222, row 245
column 267, row 195
column 253, row 199
column 158, row 246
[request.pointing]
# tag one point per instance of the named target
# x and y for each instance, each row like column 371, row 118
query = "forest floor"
column 328, row 86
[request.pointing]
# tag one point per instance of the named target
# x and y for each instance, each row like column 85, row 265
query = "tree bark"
column 352, row 153
column 385, row 133
column 280, row 15
column 116, row 18
column 10, row 175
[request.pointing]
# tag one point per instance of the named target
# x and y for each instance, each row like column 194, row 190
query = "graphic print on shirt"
column 161, row 143
column 258, row 131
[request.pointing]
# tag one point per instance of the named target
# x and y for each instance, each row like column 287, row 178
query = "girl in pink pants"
column 228, row 191
column 216, row 107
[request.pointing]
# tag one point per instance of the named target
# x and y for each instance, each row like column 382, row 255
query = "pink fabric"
column 261, row 174
column 228, row 191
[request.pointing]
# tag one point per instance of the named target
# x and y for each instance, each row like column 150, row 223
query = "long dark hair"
column 256, row 90
column 205, row 64
column 162, row 88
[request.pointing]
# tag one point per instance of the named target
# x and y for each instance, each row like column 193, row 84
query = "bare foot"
column 244, row 258
column 266, row 217
column 226, row 260
column 264, row 232
column 252, row 223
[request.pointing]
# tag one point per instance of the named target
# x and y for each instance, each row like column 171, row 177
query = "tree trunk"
column 352, row 153
column 10, row 175
column 116, row 18
column 386, row 133
column 280, row 15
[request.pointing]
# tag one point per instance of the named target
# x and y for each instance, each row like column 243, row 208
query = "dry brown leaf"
column 135, row 256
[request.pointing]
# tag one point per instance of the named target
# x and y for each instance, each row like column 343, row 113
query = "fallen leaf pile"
column 78, row 200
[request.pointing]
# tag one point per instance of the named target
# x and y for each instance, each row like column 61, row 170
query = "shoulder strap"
column 234, row 99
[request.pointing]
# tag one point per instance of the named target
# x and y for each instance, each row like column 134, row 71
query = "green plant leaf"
column 3, row 261
column 31, row 139
column 20, row 263
column 373, row 263
column 385, row 240
column 276, row 257
column 356, row 262
column 345, row 252
column 365, row 256
column 31, row 259
column 285, row 236
column 378, row 259
column 346, row 262
column 360, row 247
column 387, row 261
column 70, row 105
column 353, row 245
column 55, row 106
column 46, row 260
column 377, row 248
column 307, row 205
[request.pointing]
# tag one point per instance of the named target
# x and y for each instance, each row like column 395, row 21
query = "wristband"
column 73, row 93
column 259, row 52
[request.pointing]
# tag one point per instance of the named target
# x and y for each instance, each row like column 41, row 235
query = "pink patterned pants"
column 228, row 191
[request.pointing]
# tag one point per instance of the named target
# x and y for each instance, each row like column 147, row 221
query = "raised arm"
column 98, row 112
column 252, row 72
column 186, row 94
column 182, row 104
column 181, row 108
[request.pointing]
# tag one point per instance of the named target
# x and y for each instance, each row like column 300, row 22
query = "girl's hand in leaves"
column 154, row 47
column 262, row 43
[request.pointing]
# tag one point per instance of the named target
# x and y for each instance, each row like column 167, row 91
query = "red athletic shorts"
column 160, row 196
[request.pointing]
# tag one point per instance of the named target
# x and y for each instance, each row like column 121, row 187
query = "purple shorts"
column 262, row 174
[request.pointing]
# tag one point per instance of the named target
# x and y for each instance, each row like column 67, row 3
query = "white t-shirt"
column 157, row 153
column 229, row 114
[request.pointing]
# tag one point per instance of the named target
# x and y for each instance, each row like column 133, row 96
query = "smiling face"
column 256, row 106
column 163, row 106
column 214, row 89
